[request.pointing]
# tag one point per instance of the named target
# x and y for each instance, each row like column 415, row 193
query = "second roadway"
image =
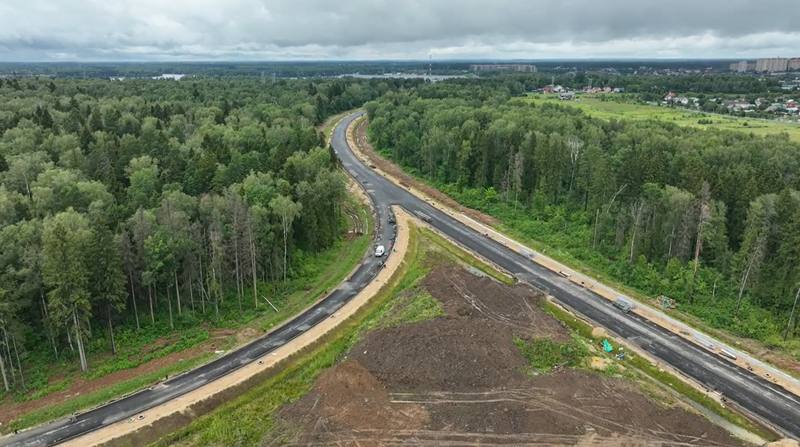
column 754, row 394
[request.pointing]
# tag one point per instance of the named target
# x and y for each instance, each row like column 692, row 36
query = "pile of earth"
column 460, row 380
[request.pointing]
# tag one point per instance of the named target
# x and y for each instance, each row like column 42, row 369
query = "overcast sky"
column 114, row 30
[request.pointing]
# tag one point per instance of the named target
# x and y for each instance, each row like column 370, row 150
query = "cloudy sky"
column 114, row 30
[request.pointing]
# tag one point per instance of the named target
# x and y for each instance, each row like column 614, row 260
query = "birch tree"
column 286, row 210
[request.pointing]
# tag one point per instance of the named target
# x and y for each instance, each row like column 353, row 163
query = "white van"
column 379, row 251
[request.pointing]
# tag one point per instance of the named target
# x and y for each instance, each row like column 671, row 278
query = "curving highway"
column 752, row 393
column 760, row 397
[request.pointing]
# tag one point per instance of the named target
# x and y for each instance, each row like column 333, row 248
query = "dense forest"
column 708, row 218
column 136, row 202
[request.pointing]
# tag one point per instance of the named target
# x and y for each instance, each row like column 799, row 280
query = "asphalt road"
column 71, row 427
column 762, row 398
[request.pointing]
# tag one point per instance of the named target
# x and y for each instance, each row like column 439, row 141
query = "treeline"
column 124, row 202
column 288, row 69
column 709, row 218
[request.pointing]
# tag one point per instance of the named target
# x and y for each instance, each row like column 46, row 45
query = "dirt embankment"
column 459, row 380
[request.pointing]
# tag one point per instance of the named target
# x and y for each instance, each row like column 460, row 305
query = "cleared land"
column 461, row 378
column 611, row 109
column 448, row 355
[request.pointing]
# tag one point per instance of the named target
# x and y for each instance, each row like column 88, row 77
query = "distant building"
column 794, row 63
column 171, row 76
column 772, row 65
column 521, row 68
column 742, row 66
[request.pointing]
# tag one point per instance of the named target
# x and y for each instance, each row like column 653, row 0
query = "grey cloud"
column 286, row 29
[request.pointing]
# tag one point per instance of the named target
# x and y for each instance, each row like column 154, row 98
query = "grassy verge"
column 327, row 127
column 115, row 390
column 320, row 274
column 459, row 255
column 659, row 375
column 414, row 307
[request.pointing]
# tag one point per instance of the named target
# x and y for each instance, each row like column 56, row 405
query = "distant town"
column 767, row 65
column 779, row 106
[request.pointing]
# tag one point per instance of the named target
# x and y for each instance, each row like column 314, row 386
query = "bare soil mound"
column 350, row 392
column 464, row 295
column 460, row 380
column 446, row 354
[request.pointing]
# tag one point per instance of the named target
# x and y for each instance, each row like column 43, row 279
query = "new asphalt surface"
column 752, row 393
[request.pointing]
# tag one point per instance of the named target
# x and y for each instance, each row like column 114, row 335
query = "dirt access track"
column 357, row 139
column 460, row 380
column 151, row 424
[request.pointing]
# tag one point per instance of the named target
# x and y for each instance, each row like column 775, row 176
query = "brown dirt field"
column 460, row 380
column 466, row 295
column 406, row 180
